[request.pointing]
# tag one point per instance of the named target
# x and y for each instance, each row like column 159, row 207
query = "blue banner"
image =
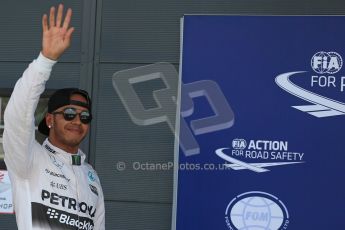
column 262, row 113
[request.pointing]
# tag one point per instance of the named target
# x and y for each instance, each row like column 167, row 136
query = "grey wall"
column 117, row 35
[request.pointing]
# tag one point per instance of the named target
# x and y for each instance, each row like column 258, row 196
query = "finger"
column 45, row 23
column 67, row 19
column 59, row 16
column 69, row 35
column 52, row 17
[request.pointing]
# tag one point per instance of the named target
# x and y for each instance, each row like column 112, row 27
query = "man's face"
column 67, row 133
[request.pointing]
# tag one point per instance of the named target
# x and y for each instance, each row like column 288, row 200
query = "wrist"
column 45, row 62
column 49, row 56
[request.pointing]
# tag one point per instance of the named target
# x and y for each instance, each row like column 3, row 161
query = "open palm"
column 56, row 35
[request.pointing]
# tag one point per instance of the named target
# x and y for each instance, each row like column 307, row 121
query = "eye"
column 85, row 117
column 70, row 111
column 85, row 113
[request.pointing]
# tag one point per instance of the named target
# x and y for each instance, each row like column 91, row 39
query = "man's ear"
column 49, row 120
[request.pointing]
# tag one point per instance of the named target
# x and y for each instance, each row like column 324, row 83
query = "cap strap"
column 82, row 104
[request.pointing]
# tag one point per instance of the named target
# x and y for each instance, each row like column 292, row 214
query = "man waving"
column 53, row 187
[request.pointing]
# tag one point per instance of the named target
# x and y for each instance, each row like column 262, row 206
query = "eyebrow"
column 71, row 106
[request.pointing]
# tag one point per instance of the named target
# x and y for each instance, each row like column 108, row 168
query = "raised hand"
column 56, row 36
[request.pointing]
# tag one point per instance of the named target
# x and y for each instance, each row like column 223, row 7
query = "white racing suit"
column 50, row 190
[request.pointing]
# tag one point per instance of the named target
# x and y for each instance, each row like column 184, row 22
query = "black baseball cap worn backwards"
column 61, row 98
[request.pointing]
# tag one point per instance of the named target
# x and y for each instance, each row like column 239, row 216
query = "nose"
column 76, row 120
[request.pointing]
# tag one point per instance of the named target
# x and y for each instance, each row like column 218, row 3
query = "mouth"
column 74, row 129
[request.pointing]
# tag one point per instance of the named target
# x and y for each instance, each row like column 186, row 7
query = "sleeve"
column 19, row 121
column 100, row 212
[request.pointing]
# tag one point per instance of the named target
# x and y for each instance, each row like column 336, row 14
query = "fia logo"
column 239, row 144
column 326, row 62
column 321, row 106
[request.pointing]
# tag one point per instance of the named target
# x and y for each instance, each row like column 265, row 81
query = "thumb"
column 68, row 35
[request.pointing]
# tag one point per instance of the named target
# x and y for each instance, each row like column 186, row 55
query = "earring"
column 49, row 126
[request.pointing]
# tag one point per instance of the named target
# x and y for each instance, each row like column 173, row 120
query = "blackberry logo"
column 52, row 213
column 59, row 219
